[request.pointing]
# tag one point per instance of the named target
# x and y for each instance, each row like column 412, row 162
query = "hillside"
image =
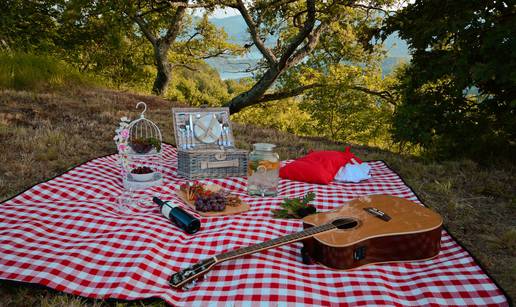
column 45, row 132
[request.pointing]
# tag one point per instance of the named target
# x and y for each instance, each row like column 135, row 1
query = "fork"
column 188, row 129
column 182, row 130
column 220, row 141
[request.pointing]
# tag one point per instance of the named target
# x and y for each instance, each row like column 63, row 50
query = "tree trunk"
column 253, row 95
column 164, row 69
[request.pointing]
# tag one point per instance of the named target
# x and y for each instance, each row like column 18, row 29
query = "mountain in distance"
column 236, row 28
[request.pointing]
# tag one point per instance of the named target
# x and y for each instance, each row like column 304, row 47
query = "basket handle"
column 220, row 164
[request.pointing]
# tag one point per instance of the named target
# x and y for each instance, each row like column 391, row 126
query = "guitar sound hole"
column 345, row 223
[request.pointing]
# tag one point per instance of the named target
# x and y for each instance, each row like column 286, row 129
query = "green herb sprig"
column 296, row 208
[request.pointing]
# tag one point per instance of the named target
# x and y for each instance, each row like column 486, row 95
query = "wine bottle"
column 178, row 216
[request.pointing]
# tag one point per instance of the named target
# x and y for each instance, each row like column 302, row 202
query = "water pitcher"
column 263, row 170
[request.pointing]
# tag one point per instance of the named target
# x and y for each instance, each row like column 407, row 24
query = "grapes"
column 210, row 201
column 142, row 170
column 207, row 199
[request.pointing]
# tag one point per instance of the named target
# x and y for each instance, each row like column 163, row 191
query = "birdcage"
column 144, row 135
column 139, row 144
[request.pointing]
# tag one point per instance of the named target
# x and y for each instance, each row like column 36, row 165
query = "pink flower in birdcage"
column 122, row 148
column 124, row 133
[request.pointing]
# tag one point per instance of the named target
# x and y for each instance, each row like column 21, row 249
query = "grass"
column 27, row 71
column 47, row 131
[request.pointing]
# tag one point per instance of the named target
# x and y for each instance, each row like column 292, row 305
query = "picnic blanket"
column 68, row 234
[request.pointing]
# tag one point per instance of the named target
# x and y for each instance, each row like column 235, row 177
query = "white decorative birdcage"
column 139, row 144
column 144, row 135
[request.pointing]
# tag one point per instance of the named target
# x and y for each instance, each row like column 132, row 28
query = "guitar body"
column 413, row 232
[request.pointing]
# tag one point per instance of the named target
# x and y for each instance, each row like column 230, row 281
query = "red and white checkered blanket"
column 67, row 234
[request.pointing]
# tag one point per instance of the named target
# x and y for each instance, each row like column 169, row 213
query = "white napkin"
column 353, row 172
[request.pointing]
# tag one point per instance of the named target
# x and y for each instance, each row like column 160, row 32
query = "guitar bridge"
column 378, row 213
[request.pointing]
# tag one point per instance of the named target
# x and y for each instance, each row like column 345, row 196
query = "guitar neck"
column 274, row 243
column 188, row 274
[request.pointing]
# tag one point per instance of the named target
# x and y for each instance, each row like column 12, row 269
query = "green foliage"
column 343, row 113
column 95, row 39
column 29, row 26
column 199, row 87
column 284, row 115
column 458, row 96
column 295, row 208
column 204, row 40
column 350, row 102
column 23, row 71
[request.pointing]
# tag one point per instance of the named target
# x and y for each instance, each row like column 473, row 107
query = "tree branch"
column 145, row 29
column 216, row 54
column 302, row 34
column 253, row 30
column 300, row 90
column 272, row 5
column 154, row 10
column 175, row 25
column 182, row 3
column 368, row 8
column 287, row 94
column 313, row 39
column 187, row 5
column 382, row 94
column 192, row 37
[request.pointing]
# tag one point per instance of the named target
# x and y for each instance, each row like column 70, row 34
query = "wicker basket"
column 205, row 144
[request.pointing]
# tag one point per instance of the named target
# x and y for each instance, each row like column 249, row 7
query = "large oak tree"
column 298, row 26
column 167, row 26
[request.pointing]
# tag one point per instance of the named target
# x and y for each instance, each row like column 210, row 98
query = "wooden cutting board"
column 243, row 207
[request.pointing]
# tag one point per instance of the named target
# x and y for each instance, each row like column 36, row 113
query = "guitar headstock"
column 188, row 275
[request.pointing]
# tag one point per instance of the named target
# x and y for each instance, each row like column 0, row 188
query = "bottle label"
column 166, row 208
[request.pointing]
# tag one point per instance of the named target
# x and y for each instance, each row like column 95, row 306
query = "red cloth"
column 318, row 166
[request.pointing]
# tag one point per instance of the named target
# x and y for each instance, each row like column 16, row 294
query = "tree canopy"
column 458, row 95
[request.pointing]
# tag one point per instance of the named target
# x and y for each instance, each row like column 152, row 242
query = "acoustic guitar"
column 370, row 229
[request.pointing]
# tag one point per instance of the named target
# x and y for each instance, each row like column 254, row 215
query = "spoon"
column 225, row 129
column 221, row 139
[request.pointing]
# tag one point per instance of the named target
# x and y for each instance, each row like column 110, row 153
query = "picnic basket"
column 205, row 144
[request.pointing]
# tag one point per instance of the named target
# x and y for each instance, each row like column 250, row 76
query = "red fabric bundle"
column 318, row 166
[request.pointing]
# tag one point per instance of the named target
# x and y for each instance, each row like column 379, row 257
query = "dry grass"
column 43, row 134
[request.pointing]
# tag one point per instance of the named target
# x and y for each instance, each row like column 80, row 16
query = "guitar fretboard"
column 275, row 242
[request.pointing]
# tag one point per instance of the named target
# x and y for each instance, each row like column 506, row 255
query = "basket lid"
column 202, row 128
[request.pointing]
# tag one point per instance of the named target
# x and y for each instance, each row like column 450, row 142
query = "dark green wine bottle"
column 178, row 216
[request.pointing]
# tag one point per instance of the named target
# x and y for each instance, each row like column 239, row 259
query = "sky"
column 219, row 13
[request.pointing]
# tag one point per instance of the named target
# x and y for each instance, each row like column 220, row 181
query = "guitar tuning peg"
column 202, row 277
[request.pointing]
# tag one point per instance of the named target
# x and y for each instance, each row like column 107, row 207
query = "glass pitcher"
column 263, row 170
